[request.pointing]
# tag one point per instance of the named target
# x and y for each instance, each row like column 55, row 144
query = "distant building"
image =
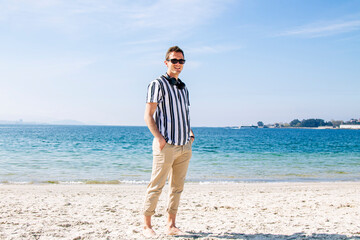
column 248, row 127
column 326, row 127
column 343, row 126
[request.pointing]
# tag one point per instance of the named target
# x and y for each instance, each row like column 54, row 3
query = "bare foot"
column 149, row 232
column 174, row 231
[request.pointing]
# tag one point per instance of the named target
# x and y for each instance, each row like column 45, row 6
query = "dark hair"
column 173, row 49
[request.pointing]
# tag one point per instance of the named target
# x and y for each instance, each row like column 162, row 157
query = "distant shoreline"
column 232, row 127
column 317, row 128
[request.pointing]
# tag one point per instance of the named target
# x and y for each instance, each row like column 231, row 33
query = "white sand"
column 228, row 211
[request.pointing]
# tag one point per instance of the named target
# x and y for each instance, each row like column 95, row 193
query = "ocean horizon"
column 122, row 154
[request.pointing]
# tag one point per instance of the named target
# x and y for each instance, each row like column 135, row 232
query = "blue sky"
column 247, row 61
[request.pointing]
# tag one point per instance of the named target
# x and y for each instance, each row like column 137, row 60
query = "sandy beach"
column 207, row 211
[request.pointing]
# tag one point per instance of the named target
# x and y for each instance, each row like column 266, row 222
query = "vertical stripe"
column 164, row 107
column 171, row 116
column 183, row 118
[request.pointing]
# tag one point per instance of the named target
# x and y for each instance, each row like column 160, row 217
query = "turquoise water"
column 103, row 153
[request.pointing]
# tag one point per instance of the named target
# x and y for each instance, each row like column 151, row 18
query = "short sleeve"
column 154, row 93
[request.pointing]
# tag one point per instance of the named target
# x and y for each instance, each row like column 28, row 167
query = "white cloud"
column 111, row 15
column 214, row 49
column 175, row 14
column 145, row 41
column 324, row 29
column 26, row 71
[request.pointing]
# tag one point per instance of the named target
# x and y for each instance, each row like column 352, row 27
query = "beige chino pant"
column 172, row 161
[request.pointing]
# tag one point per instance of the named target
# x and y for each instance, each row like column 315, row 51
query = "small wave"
column 102, row 182
column 71, row 182
column 18, row 183
column 217, row 182
column 134, row 182
column 105, row 182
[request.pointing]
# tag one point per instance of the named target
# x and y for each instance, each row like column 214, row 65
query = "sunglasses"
column 175, row 61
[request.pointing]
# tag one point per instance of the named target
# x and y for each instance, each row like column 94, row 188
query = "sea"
column 122, row 154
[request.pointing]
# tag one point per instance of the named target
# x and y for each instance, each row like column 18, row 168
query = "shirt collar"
column 174, row 82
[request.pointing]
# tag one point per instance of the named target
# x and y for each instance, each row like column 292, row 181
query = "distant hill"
column 5, row 122
column 60, row 122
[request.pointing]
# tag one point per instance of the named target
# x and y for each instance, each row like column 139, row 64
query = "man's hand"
column 162, row 143
column 192, row 137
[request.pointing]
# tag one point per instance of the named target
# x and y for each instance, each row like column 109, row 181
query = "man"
column 168, row 99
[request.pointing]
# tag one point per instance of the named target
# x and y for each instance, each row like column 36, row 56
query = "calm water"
column 83, row 153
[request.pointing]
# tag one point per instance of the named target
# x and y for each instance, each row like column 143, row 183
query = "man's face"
column 174, row 69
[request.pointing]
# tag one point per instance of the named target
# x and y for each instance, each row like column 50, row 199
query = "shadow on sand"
column 295, row 236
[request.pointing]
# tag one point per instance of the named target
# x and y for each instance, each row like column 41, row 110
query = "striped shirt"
column 172, row 113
